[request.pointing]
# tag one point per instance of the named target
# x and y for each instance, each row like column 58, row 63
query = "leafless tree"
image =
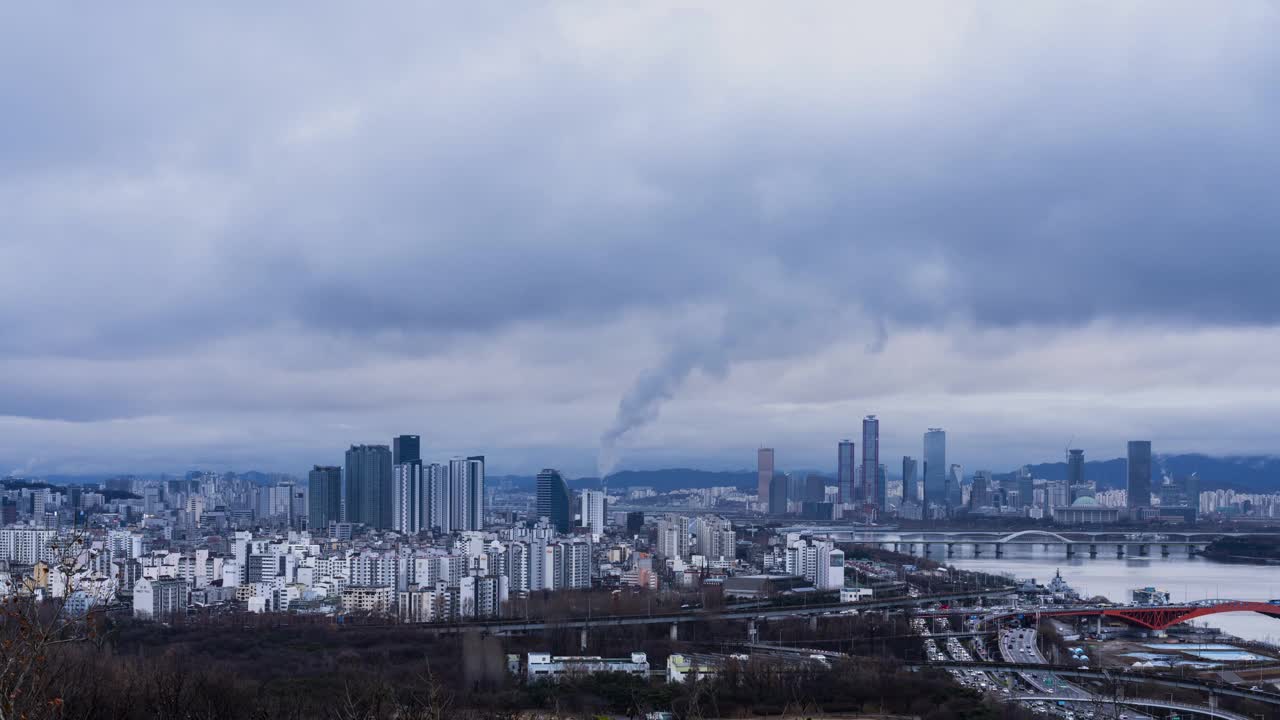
column 426, row 699
column 59, row 606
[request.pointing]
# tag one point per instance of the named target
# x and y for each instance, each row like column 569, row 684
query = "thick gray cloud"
column 263, row 233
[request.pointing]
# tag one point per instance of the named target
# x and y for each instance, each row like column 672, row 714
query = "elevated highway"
column 694, row 616
column 1211, row 688
column 1146, row 704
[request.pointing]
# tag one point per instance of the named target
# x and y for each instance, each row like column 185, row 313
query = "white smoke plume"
column 771, row 329
column 641, row 404
column 25, row 469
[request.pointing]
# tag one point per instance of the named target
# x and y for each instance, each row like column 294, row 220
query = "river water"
column 1185, row 578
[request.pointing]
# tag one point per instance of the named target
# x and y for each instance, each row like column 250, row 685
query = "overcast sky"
column 248, row 236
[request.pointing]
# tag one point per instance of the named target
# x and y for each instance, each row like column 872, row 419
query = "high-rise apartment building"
column 846, row 470
column 407, row 497
column 870, row 479
column 407, row 487
column 369, row 479
column 553, row 499
column 593, row 511
column 717, row 540
column 435, row 498
column 574, row 564
column 466, row 493
column 673, row 537
column 474, row 519
column 458, row 495
column 1139, row 474
column 910, row 480
column 817, row 561
column 28, row 546
column 935, row 468
column 764, row 474
column 324, row 497
column 160, row 598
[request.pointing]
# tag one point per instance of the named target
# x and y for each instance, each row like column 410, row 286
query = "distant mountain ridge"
column 660, row 480
column 1250, row 473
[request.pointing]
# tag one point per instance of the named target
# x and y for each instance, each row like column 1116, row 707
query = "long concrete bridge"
column 847, row 533
column 1074, row 543
column 1151, row 617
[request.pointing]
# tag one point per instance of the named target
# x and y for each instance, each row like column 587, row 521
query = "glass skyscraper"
column 870, row 491
column 955, row 486
column 406, row 448
column 1139, row 474
column 324, row 497
column 553, row 499
column 845, row 463
column 1026, row 487
column 369, row 485
column 764, row 474
column 935, row 468
column 778, row 495
column 910, row 481
column 1075, row 467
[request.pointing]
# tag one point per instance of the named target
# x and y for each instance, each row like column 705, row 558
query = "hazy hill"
column 1259, row 473
column 659, row 480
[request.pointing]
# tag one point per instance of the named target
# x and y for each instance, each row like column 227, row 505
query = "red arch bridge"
column 1151, row 617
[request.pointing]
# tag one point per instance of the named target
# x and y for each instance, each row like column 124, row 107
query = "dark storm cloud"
column 484, row 205
column 241, row 185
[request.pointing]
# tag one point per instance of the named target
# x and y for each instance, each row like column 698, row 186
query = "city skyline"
column 830, row 470
column 847, row 473
column 662, row 360
column 415, row 498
